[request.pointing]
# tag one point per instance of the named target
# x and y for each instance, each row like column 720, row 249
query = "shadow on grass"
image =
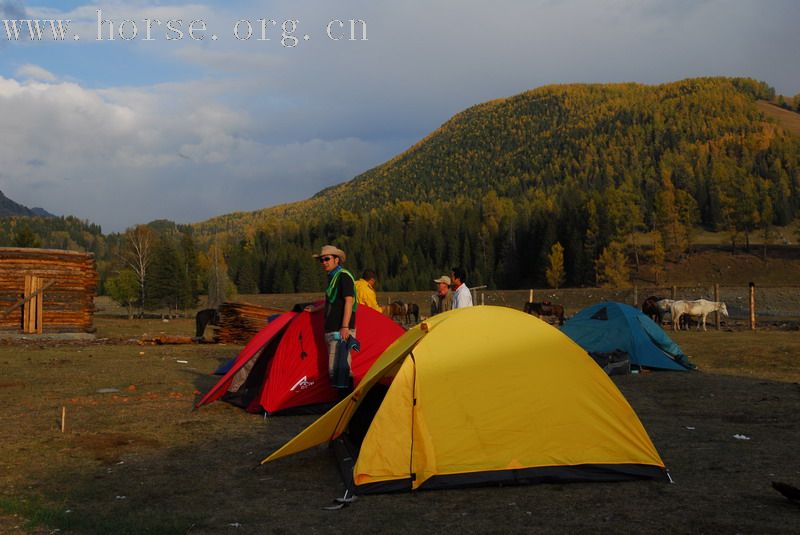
column 214, row 484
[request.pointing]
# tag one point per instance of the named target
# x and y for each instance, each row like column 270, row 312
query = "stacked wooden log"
column 239, row 322
column 67, row 281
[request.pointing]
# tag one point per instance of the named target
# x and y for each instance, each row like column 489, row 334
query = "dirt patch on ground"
column 108, row 448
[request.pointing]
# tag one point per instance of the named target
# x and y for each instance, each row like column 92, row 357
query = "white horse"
column 699, row 308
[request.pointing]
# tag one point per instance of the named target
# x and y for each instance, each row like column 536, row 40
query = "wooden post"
column 635, row 295
column 716, row 298
column 674, row 293
column 530, row 296
column 33, row 305
column 752, row 306
column 482, row 298
column 26, row 308
column 63, row 418
column 39, row 306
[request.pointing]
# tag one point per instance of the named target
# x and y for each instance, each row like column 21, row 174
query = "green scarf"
column 332, row 291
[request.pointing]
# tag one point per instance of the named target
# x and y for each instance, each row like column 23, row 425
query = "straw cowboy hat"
column 331, row 250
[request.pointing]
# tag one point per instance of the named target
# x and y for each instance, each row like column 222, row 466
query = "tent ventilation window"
column 601, row 314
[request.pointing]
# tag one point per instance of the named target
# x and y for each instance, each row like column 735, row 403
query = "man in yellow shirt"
column 365, row 290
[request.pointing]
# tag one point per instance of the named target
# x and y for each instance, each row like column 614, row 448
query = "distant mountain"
column 10, row 208
column 41, row 212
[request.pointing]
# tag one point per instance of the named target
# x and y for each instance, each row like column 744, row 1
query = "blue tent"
column 604, row 327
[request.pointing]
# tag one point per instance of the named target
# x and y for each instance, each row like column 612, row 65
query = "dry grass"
column 769, row 355
column 140, row 461
column 789, row 120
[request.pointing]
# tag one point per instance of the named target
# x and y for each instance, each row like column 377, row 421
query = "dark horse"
column 650, row 308
column 545, row 308
column 412, row 311
column 205, row 317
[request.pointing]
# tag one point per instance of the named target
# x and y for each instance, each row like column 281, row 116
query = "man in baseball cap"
column 442, row 300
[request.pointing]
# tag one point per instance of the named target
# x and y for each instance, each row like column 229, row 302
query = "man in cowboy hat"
column 442, row 300
column 340, row 302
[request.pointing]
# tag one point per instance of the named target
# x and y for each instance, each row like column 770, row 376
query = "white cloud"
column 124, row 156
column 34, row 72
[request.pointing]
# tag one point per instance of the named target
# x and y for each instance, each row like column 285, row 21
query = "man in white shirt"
column 462, row 298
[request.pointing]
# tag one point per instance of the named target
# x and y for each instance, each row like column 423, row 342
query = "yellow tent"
column 485, row 395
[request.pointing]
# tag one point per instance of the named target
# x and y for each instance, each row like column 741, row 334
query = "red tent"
column 285, row 365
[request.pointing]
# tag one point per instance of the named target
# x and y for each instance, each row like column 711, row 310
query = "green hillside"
column 587, row 166
column 589, row 137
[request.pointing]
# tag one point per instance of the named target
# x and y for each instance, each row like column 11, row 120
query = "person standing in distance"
column 462, row 298
column 340, row 302
column 442, row 300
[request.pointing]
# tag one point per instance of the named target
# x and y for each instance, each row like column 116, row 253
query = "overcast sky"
column 188, row 126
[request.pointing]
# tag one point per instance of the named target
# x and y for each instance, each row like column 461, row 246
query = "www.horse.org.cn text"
column 286, row 32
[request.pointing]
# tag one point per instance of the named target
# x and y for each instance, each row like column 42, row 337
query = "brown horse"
column 396, row 310
column 407, row 313
column 546, row 308
column 650, row 308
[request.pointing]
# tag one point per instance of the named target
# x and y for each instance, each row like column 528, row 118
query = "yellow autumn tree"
column 612, row 267
column 555, row 273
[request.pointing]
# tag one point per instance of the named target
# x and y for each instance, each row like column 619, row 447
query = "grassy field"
column 135, row 458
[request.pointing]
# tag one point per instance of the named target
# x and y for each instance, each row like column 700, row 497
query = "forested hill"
column 500, row 183
column 588, row 137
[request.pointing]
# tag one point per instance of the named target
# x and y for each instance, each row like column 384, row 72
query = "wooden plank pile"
column 46, row 290
column 165, row 339
column 239, row 322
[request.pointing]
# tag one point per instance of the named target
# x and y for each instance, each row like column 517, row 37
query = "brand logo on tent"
column 302, row 384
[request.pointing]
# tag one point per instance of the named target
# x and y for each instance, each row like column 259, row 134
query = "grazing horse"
column 203, row 318
column 699, row 308
column 545, row 308
column 396, row 310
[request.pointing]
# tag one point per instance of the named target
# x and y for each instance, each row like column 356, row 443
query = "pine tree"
column 591, row 241
column 166, row 280
column 670, row 224
column 25, row 237
column 191, row 268
column 285, row 283
column 657, row 256
column 766, row 214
